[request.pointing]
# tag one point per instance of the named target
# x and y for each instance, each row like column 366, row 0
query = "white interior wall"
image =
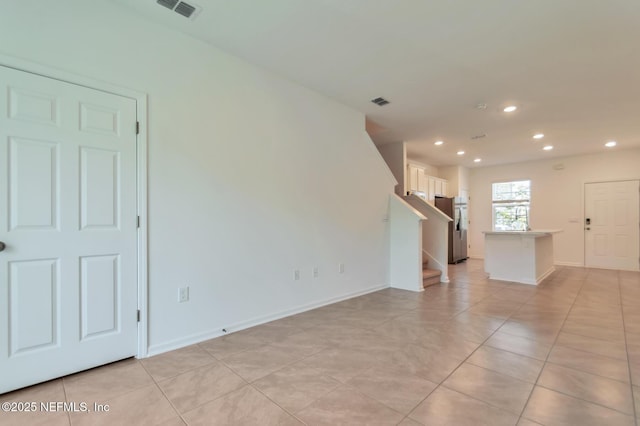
column 463, row 183
column 250, row 176
column 405, row 235
column 458, row 180
column 557, row 196
column 451, row 174
column 395, row 155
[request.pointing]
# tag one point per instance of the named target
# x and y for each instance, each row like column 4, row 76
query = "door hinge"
column 138, row 315
column 138, row 222
column 137, row 127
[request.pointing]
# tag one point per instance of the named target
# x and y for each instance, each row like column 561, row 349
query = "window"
column 511, row 205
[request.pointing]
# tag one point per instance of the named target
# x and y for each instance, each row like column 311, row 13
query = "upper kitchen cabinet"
column 438, row 187
column 412, row 177
column 427, row 187
column 423, row 183
column 416, row 179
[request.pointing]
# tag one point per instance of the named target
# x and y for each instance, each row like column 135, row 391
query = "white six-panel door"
column 612, row 236
column 68, row 290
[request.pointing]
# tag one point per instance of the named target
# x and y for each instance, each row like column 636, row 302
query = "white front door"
column 612, row 225
column 68, row 274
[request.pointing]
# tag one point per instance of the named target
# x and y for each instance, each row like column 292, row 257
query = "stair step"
column 430, row 277
column 430, row 273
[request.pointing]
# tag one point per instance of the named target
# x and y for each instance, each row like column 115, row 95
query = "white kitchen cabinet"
column 423, row 184
column 417, row 180
column 436, row 187
column 412, row 177
column 431, row 194
column 439, row 187
column 431, row 186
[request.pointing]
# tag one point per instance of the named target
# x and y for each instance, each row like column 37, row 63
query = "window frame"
column 516, row 203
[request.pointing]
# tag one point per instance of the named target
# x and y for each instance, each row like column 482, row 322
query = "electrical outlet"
column 183, row 294
column 296, row 274
column 315, row 272
column 341, row 268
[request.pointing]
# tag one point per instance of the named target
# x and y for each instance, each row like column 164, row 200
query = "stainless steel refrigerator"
column 455, row 208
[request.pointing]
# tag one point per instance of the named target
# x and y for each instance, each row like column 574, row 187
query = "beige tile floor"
column 470, row 352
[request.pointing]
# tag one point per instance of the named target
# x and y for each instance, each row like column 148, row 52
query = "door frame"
column 584, row 213
column 18, row 64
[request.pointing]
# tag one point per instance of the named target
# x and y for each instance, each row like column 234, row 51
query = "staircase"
column 429, row 276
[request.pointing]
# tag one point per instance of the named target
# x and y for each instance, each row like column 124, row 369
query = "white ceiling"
column 571, row 66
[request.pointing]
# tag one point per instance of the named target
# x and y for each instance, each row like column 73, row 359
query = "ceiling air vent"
column 169, row 4
column 380, row 101
column 185, row 9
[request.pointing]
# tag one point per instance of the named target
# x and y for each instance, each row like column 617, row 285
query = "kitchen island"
column 519, row 256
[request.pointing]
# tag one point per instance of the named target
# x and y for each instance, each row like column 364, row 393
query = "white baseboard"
column 575, row 264
column 201, row 337
column 545, row 275
column 510, row 279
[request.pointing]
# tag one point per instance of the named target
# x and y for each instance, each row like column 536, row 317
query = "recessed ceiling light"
column 438, row 143
column 510, row 108
column 611, row 144
column 548, row 147
column 477, row 160
column 460, row 152
column 538, row 136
